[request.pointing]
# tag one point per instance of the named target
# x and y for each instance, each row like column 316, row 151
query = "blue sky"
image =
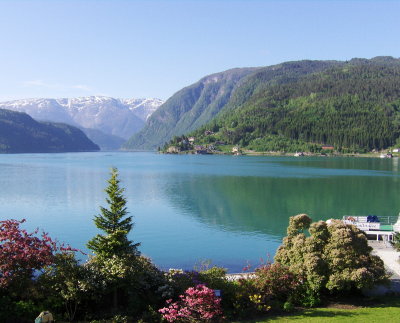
column 154, row 48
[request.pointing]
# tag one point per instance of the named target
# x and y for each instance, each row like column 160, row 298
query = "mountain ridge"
column 188, row 109
column 353, row 106
column 20, row 133
column 112, row 117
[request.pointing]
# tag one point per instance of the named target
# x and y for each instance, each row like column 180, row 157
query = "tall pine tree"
column 115, row 223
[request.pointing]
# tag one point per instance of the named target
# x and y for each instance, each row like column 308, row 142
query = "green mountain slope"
column 19, row 133
column 188, row 109
column 199, row 103
column 354, row 106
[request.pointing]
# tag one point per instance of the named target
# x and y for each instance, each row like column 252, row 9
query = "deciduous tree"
column 21, row 253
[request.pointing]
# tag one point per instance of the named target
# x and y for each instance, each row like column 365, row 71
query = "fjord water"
column 189, row 208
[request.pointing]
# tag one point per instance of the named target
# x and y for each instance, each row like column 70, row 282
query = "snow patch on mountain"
column 118, row 117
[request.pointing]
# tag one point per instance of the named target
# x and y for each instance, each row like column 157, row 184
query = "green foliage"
column 26, row 309
column 288, row 307
column 275, row 282
column 214, row 277
column 301, row 106
column 19, row 133
column 384, row 309
column 177, row 281
column 242, row 303
column 334, row 257
column 114, row 223
column 131, row 282
column 188, row 109
column 117, row 271
column 62, row 282
column 396, row 241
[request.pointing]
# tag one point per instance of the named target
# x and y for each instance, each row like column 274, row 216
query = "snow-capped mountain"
column 40, row 109
column 117, row 117
column 143, row 108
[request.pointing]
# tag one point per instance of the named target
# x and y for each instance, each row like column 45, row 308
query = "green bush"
column 242, row 304
column 396, row 241
column 288, row 306
column 275, row 282
column 335, row 257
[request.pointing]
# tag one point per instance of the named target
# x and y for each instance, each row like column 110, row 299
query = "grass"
column 386, row 311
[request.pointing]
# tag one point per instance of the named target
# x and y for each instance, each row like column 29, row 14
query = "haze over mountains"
column 106, row 121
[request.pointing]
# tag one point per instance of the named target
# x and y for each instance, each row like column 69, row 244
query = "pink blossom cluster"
column 21, row 252
column 198, row 304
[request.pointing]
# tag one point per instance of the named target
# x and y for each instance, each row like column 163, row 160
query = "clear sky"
column 154, row 48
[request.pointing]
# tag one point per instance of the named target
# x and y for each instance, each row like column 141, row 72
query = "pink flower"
column 198, row 304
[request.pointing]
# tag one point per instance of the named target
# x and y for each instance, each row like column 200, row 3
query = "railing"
column 385, row 220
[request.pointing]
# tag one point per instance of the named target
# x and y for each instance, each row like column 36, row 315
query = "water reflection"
column 264, row 204
column 188, row 208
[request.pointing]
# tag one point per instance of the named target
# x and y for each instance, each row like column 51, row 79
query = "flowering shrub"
column 259, row 302
column 275, row 281
column 21, row 253
column 214, row 277
column 198, row 304
column 178, row 281
column 243, row 305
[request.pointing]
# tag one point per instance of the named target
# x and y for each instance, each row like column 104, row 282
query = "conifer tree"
column 114, row 222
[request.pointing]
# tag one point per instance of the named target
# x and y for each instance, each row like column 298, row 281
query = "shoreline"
column 280, row 154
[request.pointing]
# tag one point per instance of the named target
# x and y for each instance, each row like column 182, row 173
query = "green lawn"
column 387, row 311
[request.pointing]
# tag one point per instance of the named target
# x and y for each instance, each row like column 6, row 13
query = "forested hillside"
column 19, row 133
column 353, row 106
column 188, row 109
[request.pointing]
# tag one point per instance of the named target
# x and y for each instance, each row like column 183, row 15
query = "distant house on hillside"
column 208, row 132
column 396, row 150
column 191, row 140
column 236, row 150
column 328, row 148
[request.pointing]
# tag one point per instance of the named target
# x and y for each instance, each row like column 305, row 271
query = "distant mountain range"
column 352, row 106
column 294, row 106
column 106, row 121
column 19, row 133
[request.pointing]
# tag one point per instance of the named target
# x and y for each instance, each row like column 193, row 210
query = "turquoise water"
column 188, row 209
